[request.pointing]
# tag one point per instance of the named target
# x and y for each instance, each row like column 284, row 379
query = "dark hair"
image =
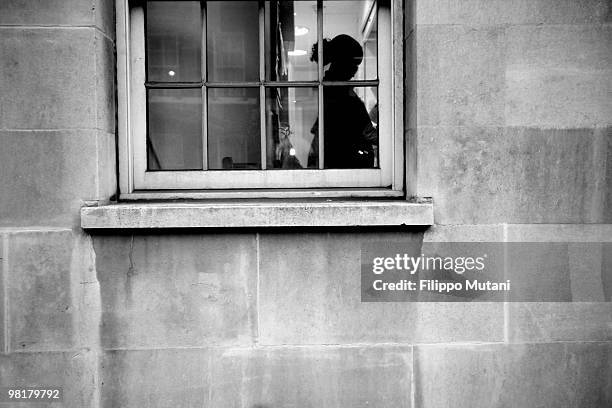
column 342, row 48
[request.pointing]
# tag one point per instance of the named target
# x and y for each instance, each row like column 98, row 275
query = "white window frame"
column 137, row 183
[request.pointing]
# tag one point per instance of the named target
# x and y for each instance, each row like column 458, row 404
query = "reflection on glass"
column 234, row 140
column 356, row 19
column 174, row 140
column 290, row 116
column 174, row 41
column 232, row 41
column 291, row 29
column 350, row 135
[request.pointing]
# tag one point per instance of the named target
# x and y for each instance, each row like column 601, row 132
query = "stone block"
column 411, row 151
column 460, row 76
column 608, row 195
column 46, row 12
column 513, row 175
column 75, row 372
column 578, row 321
column 177, row 290
column 105, row 83
column 551, row 375
column 559, row 76
column 106, row 166
column 410, row 81
column 105, row 17
column 48, row 79
column 539, row 272
column 560, row 272
column 588, row 254
column 325, row 376
column 45, row 175
column 155, row 378
column 48, row 308
column 559, row 233
column 3, row 289
column 310, row 293
column 464, row 233
column 549, row 322
column 488, row 12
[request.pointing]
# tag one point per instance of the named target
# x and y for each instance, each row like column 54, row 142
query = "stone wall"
column 508, row 129
column 57, row 132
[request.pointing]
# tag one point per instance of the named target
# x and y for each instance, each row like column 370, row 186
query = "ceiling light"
column 297, row 53
column 301, row 30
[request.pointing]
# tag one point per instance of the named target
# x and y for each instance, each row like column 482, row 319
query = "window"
column 238, row 96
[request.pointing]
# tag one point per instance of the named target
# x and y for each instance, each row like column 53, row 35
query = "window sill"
column 329, row 213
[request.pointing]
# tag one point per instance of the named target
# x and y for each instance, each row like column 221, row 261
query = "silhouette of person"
column 349, row 135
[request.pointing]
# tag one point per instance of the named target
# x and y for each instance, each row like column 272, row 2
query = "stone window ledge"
column 328, row 213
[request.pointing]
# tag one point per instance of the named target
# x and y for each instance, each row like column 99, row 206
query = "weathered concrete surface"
column 74, row 371
column 105, row 83
column 155, row 378
column 523, row 375
column 257, row 214
column 552, row 322
column 3, row 291
column 515, row 175
column 559, row 76
column 310, row 293
column 334, row 377
column 488, row 12
column 575, row 272
column 590, row 263
column 105, row 17
column 48, row 79
column 506, row 68
column 460, row 78
column 575, row 233
column 95, row 13
column 47, row 12
column 177, row 290
column 465, row 233
column 56, row 92
column 45, row 176
column 106, row 168
column 53, row 298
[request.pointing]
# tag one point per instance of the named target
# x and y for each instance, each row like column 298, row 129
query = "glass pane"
column 350, row 52
column 174, row 41
column 291, row 114
column 174, row 137
column 350, row 135
column 291, row 30
column 233, row 41
column 234, row 140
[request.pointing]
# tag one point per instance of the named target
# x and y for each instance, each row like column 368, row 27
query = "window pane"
column 175, row 129
column 233, row 41
column 350, row 135
column 291, row 114
column 351, row 52
column 174, row 41
column 234, row 140
column 291, row 30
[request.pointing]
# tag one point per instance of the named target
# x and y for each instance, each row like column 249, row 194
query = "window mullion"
column 262, row 90
column 204, row 67
column 321, row 66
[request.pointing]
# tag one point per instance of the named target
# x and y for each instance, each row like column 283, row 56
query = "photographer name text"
column 411, row 265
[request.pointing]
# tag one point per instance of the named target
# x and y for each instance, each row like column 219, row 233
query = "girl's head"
column 344, row 54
